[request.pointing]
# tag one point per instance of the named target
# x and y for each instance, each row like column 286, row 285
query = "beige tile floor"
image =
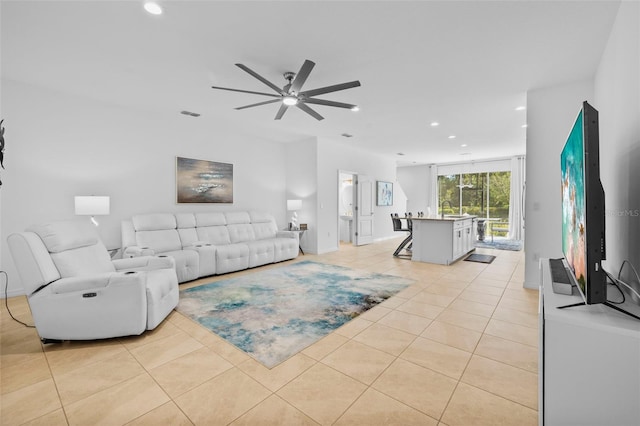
column 458, row 347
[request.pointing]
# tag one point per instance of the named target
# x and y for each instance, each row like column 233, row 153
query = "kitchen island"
column 443, row 240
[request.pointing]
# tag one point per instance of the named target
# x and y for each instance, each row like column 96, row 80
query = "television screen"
column 583, row 215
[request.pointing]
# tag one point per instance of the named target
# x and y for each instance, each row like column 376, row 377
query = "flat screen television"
column 583, row 210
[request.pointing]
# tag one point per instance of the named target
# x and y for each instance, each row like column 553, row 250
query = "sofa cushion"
column 83, row 261
column 261, row 217
column 154, row 221
column 160, row 241
column 210, row 219
column 264, row 230
column 185, row 220
column 66, row 235
column 261, row 252
column 217, row 235
column 241, row 233
column 234, row 218
column 232, row 257
column 187, row 264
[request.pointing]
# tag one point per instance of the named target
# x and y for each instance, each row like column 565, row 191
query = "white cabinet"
column 442, row 240
column 589, row 365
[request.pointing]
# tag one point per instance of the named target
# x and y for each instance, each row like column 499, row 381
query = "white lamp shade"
column 294, row 205
column 92, row 205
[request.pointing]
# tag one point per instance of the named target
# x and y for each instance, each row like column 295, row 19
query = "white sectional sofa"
column 204, row 244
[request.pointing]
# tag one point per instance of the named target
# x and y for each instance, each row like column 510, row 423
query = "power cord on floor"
column 6, row 300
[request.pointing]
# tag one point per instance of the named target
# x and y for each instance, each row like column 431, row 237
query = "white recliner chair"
column 76, row 292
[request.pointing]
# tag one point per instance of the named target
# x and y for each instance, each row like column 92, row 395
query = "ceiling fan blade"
column 281, row 111
column 261, row 78
column 328, row 103
column 302, row 75
column 309, row 111
column 258, row 104
column 329, row 89
column 246, row 91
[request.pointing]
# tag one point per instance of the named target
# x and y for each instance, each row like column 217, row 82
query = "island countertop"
column 446, row 217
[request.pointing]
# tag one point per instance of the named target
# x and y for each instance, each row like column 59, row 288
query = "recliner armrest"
column 135, row 251
column 144, row 263
column 96, row 282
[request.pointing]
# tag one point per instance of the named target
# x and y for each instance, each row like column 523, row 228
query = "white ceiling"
column 464, row 64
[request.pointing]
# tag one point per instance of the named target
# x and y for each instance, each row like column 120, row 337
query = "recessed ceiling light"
column 452, row 136
column 153, row 8
column 355, row 108
column 520, row 108
column 434, row 124
column 524, row 126
column 464, row 145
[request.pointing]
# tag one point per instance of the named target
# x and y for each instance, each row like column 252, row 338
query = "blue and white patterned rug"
column 274, row 314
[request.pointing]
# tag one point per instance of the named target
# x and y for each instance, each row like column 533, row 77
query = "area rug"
column 480, row 258
column 512, row 245
column 275, row 313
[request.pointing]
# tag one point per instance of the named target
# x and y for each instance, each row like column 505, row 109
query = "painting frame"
column 384, row 193
column 203, row 181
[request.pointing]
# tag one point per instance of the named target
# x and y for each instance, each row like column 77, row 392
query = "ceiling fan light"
column 289, row 100
column 153, row 8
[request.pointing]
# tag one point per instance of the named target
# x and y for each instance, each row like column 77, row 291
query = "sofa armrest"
column 135, row 251
column 287, row 234
column 144, row 263
column 195, row 244
column 96, row 282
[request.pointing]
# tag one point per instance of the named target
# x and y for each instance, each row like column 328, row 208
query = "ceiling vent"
column 189, row 113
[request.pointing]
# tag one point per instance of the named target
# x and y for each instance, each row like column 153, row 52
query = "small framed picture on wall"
column 385, row 194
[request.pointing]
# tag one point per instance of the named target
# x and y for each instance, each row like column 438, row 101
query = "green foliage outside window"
column 483, row 194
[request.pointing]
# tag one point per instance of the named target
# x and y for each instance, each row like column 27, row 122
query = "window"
column 481, row 194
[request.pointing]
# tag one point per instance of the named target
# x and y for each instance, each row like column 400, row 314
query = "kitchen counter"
column 443, row 240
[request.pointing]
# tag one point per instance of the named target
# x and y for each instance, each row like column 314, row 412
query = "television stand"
column 588, row 366
column 611, row 305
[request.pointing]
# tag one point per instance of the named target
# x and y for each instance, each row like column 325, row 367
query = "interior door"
column 364, row 209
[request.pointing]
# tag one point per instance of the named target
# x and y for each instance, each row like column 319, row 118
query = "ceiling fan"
column 290, row 94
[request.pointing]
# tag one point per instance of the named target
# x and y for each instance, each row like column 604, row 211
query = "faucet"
column 442, row 207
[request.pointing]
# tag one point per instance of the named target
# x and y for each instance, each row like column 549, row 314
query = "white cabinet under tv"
column 589, row 366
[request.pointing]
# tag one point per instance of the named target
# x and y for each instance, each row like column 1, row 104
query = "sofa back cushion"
column 264, row 225
column 154, row 222
column 234, row 218
column 157, row 231
column 75, row 248
column 83, row 261
column 241, row 233
column 159, row 241
column 186, row 223
column 210, row 219
column 216, row 235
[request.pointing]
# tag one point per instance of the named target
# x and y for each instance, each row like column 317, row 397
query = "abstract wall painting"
column 202, row 181
column 385, row 193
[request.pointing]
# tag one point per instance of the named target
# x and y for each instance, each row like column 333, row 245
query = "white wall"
column 415, row 182
column 333, row 157
column 302, row 184
column 58, row 146
column 615, row 93
column 617, row 98
column 550, row 115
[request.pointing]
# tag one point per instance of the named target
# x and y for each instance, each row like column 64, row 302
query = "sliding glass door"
column 485, row 195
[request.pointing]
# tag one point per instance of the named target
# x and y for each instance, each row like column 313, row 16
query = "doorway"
column 346, row 207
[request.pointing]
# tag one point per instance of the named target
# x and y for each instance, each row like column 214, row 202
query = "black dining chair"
column 407, row 242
